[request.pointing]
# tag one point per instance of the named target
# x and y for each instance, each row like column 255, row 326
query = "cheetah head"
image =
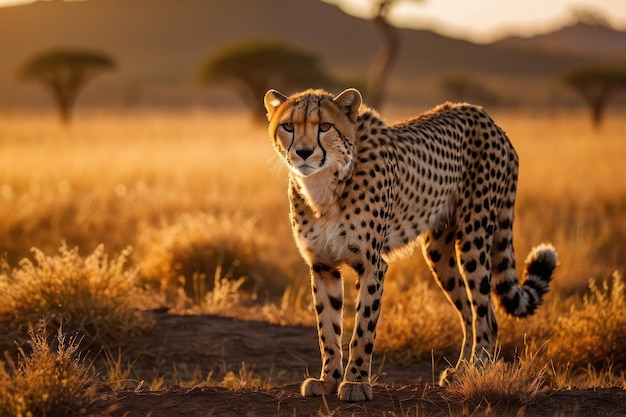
column 313, row 131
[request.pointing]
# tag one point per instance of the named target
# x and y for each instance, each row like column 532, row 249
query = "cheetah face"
column 313, row 131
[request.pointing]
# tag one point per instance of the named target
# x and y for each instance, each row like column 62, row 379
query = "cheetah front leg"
column 356, row 385
column 327, row 288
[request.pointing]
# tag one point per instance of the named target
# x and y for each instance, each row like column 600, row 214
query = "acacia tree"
column 387, row 52
column 253, row 67
column 597, row 86
column 65, row 73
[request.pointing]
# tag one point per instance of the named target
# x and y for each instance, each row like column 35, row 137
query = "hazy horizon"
column 486, row 21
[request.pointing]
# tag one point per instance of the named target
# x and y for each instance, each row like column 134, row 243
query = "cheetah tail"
column 540, row 264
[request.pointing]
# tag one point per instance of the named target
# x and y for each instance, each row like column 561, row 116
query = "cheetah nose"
column 304, row 153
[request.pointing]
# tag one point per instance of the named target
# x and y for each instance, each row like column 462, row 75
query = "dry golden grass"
column 572, row 191
column 110, row 174
column 202, row 197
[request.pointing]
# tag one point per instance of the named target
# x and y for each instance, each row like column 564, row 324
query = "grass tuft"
column 244, row 379
column 46, row 382
column 495, row 381
column 225, row 294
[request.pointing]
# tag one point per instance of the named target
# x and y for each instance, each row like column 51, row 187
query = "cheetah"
column 363, row 193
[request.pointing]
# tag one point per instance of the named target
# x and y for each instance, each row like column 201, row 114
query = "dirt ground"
column 282, row 356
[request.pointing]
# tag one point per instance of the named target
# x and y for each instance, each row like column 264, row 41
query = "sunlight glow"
column 4, row 3
column 487, row 20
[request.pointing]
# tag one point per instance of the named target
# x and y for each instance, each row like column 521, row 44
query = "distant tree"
column 589, row 16
column 465, row 87
column 387, row 53
column 457, row 86
column 65, row 73
column 597, row 86
column 253, row 67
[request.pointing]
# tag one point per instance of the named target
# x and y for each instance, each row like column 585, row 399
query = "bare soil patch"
column 281, row 356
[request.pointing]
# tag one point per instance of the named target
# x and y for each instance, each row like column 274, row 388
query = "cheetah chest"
column 323, row 239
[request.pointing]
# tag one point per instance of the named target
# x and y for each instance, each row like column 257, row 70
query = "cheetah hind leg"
column 313, row 387
column 440, row 255
column 355, row 391
column 449, row 374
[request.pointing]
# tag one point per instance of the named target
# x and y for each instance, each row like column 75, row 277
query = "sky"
column 487, row 20
column 479, row 20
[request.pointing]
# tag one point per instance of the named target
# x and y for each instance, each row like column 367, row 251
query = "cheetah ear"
column 349, row 100
column 272, row 100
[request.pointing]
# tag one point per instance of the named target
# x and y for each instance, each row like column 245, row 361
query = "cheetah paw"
column 316, row 387
column 447, row 376
column 355, row 391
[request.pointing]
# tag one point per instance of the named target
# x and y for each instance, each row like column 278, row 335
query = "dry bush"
column 94, row 296
column 46, row 382
column 495, row 381
column 197, row 250
column 593, row 332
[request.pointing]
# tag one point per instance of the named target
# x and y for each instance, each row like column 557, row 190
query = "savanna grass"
column 180, row 185
column 111, row 174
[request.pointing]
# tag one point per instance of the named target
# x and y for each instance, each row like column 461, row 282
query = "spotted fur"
column 363, row 193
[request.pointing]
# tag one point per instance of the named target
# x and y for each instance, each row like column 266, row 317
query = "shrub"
column 47, row 383
column 594, row 331
column 190, row 252
column 93, row 296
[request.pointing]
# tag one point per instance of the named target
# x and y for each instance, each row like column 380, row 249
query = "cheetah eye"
column 325, row 127
column 287, row 126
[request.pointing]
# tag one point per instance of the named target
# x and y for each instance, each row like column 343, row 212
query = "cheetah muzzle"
column 363, row 193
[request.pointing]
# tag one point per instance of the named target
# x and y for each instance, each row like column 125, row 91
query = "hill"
column 159, row 43
column 579, row 38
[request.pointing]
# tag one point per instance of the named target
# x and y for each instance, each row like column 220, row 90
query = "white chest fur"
column 318, row 193
column 326, row 238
